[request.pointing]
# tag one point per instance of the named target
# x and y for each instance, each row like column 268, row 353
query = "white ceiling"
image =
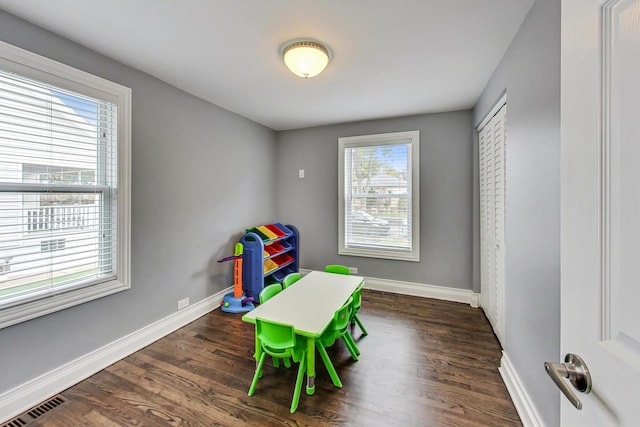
column 388, row 57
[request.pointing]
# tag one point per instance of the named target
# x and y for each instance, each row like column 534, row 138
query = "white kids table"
column 308, row 305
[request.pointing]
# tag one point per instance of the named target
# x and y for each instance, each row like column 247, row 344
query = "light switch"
column 301, row 173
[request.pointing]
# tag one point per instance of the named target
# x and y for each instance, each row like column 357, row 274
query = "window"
column 379, row 196
column 64, row 186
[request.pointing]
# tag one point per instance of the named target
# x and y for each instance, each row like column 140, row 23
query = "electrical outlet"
column 353, row 270
column 183, row 303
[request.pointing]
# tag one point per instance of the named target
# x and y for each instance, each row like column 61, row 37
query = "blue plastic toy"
column 236, row 301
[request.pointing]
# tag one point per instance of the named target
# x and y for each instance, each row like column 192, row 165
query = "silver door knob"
column 576, row 371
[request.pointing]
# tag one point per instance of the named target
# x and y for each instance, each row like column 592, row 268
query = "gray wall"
column 446, row 186
column 530, row 73
column 200, row 176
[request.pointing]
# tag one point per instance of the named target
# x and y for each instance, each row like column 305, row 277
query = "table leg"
column 311, row 366
column 258, row 353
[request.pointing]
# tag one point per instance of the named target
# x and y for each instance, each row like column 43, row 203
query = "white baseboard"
column 419, row 290
column 523, row 403
column 16, row 401
column 422, row 290
column 475, row 300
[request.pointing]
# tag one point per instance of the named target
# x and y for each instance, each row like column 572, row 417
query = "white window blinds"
column 379, row 209
column 58, row 189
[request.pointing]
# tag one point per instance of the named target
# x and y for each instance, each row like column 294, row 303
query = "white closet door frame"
column 492, row 174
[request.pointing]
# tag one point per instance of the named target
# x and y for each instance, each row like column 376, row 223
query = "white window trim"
column 46, row 70
column 382, row 139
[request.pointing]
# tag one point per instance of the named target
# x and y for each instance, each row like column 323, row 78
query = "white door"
column 600, row 199
column 491, row 166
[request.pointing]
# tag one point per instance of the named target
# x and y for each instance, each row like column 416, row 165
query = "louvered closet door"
column 487, row 237
column 492, row 216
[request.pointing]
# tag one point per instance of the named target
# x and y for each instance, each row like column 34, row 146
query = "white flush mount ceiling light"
column 305, row 58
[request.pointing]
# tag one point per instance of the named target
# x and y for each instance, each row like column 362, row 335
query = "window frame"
column 344, row 143
column 48, row 71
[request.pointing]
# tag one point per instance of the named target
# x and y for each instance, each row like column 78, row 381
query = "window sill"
column 382, row 254
column 30, row 310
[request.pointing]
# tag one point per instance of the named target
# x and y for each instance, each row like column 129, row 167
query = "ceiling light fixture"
column 305, row 58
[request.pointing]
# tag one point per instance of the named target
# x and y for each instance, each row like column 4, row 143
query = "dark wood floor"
column 424, row 363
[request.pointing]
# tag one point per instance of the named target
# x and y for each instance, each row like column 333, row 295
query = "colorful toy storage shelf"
column 270, row 253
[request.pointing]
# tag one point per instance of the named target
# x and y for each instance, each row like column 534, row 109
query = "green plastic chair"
column 357, row 295
column 265, row 294
column 338, row 328
column 268, row 292
column 337, row 269
column 290, row 279
column 279, row 341
column 357, row 303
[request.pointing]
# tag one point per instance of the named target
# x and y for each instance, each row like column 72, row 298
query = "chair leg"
column 351, row 345
column 327, row 363
column 352, row 341
column 257, row 375
column 286, row 361
column 364, row 331
column 296, row 392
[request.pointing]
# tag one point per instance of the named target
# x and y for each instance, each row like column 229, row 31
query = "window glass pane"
column 57, row 179
column 378, row 190
column 377, row 217
column 58, row 244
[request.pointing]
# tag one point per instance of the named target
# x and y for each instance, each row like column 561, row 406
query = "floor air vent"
column 16, row 422
column 35, row 413
column 47, row 406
